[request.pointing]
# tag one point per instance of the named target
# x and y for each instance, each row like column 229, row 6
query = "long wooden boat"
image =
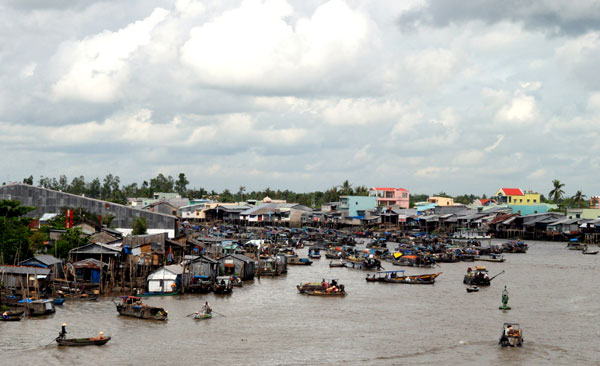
column 400, row 277
column 589, row 253
column 82, row 341
column 334, row 265
column 133, row 306
column 322, row 289
column 296, row 261
column 151, row 294
column 490, row 258
column 12, row 316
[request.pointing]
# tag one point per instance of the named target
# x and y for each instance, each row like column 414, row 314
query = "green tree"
column 14, row 231
column 346, row 188
column 139, row 226
column 181, row 185
column 28, row 180
column 579, row 200
column 77, row 186
column 70, row 239
column 361, row 191
column 37, row 240
column 94, row 188
column 556, row 194
column 241, row 193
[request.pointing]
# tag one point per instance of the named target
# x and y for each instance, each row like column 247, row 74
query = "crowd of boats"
column 353, row 251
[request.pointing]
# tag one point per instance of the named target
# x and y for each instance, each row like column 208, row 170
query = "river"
column 553, row 293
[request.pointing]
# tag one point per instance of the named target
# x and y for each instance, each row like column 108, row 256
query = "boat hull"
column 77, row 342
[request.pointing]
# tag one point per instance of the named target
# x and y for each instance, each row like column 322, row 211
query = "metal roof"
column 24, row 270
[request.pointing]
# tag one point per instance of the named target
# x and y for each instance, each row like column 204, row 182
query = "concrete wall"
column 49, row 201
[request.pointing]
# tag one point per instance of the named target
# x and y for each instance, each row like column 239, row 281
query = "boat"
column 512, row 335
column 12, row 316
column 479, row 276
column 473, row 289
column 335, row 265
column 490, row 258
column 223, row 285
column 158, row 293
column 78, row 297
column 314, row 253
column 515, row 246
column 82, row 341
column 297, row 261
column 58, row 300
column 133, row 306
column 323, row 288
column 37, row 307
column 202, row 316
column 589, row 253
column 400, row 277
column 237, row 282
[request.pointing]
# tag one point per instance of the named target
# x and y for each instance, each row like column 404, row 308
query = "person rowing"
column 206, row 309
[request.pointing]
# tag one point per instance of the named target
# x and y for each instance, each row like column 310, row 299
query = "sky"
column 440, row 95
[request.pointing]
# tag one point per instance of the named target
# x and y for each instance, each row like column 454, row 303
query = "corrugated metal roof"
column 24, row 270
column 46, row 259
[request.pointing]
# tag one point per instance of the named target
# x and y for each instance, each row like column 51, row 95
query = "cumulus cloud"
column 256, row 46
column 97, row 67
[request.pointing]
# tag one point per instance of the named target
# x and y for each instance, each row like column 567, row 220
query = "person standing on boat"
column 63, row 331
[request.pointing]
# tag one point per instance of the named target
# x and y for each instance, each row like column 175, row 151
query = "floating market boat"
column 332, row 288
column 334, row 265
column 133, row 306
column 512, row 335
column 82, row 341
column 314, row 253
column 297, row 261
column 473, row 289
column 158, row 293
column 490, row 258
column 400, row 277
column 12, row 316
column 514, row 246
column 39, row 307
column 223, row 285
column 479, row 276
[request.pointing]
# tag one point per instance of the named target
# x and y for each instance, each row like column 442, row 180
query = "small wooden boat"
column 589, row 253
column 473, row 289
column 82, row 341
column 400, row 277
column 223, row 285
column 322, row 289
column 334, row 265
column 133, row 306
column 202, row 316
column 490, row 258
column 294, row 260
column 80, row 297
column 12, row 316
column 151, row 294
column 512, row 335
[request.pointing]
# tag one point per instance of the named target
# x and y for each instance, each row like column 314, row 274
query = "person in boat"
column 99, row 338
column 333, row 283
column 206, row 309
column 63, row 330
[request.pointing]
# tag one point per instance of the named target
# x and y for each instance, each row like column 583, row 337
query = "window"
column 528, row 200
column 534, row 201
column 509, row 198
column 403, row 195
column 521, row 200
column 577, row 216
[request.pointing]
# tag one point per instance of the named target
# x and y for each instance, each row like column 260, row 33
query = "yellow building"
column 515, row 196
column 441, row 201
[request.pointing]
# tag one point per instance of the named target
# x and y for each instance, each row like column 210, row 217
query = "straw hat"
column 64, row 324
column 101, row 332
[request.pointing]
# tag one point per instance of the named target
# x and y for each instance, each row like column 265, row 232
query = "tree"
column 28, row 180
column 94, row 188
column 77, row 186
column 37, row 240
column 241, row 193
column 139, row 226
column 162, row 184
column 70, row 239
column 579, row 200
column 346, row 188
column 556, row 194
column 181, row 185
column 361, row 191
column 14, row 231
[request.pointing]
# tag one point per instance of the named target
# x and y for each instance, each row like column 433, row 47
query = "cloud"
column 520, row 110
column 97, row 67
column 551, row 16
column 495, row 145
column 256, row 46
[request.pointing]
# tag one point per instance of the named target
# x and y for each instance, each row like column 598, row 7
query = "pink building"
column 390, row 196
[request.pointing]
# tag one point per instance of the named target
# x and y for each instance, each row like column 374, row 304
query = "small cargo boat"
column 12, row 316
column 400, row 277
column 512, row 335
column 323, row 288
column 133, row 306
column 223, row 285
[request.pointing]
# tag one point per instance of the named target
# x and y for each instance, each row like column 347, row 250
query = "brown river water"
column 553, row 293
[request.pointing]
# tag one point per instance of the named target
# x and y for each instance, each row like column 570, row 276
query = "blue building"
column 357, row 205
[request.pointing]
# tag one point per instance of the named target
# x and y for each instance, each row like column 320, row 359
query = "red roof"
column 388, row 189
column 512, row 191
column 483, row 202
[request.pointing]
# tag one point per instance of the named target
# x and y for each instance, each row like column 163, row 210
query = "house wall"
column 528, row 209
column 357, row 203
column 584, row 213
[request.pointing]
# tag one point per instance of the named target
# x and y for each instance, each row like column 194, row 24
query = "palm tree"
column 556, row 194
column 241, row 193
column 579, row 199
column 346, row 188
